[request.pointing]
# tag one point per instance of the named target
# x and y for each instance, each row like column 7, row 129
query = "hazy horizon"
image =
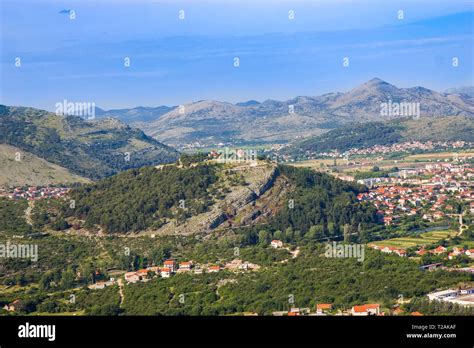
column 176, row 61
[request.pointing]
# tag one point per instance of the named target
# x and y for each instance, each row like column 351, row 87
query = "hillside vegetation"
column 93, row 149
column 387, row 133
column 143, row 198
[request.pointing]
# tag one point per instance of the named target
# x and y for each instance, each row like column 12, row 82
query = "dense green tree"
column 263, row 237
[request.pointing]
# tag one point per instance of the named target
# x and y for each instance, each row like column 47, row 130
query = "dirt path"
column 295, row 253
column 122, row 296
column 28, row 210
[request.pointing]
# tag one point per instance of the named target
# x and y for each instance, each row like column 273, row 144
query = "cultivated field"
column 368, row 162
column 423, row 239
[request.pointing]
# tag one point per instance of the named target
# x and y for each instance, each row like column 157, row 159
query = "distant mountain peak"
column 375, row 80
column 376, row 83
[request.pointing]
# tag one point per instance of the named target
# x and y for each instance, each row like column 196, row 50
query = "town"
column 34, row 192
column 427, row 192
column 277, row 151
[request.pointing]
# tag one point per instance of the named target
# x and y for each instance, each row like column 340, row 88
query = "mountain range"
column 209, row 122
column 88, row 148
column 138, row 114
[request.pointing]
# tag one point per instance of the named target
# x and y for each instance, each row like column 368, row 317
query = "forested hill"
column 323, row 206
column 206, row 197
column 143, row 198
column 386, row 133
column 90, row 148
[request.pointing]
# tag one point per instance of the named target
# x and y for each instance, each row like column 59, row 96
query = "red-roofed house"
column 368, row 309
column 171, row 264
column 421, row 252
column 185, row 266
column 439, row 250
column 143, row 273
column 214, row 269
column 165, row 272
column 132, row 277
column 323, row 307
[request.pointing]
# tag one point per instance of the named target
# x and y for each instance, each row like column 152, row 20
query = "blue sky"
column 175, row 61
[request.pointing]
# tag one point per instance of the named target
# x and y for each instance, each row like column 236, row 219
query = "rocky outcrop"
column 259, row 179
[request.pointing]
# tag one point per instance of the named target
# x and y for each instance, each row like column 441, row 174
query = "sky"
column 77, row 50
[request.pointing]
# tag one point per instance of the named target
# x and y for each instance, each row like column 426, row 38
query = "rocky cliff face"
column 258, row 179
column 258, row 195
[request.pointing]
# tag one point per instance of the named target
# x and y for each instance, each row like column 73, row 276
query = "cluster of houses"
column 370, row 309
column 428, row 199
column 456, row 251
column 451, row 255
column 171, row 267
column 388, row 249
column 384, row 149
column 408, row 147
column 327, row 309
column 34, row 192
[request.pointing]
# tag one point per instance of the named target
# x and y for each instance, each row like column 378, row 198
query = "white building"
column 276, row 243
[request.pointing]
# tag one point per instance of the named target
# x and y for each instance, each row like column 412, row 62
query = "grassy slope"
column 93, row 149
column 31, row 170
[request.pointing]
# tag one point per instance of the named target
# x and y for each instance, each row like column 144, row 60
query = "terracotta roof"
column 324, row 306
column 359, row 309
column 364, row 308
